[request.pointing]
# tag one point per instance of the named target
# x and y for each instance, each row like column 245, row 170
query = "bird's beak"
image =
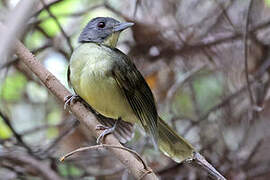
column 122, row 26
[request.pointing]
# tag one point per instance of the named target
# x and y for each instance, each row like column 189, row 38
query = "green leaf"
column 54, row 117
column 64, row 7
column 62, row 168
column 66, row 169
column 49, row 25
column 267, row 3
column 13, row 87
column 74, row 171
column 52, row 133
column 36, row 92
column 182, row 104
column 208, row 89
column 34, row 40
column 5, row 132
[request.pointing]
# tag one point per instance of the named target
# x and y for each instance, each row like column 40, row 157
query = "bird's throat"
column 112, row 40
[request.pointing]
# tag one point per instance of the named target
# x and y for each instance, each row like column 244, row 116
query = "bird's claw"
column 101, row 127
column 70, row 99
column 106, row 130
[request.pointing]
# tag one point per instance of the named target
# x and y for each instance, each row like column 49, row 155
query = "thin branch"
column 8, row 64
column 261, row 70
column 40, row 128
column 169, row 170
column 17, row 135
column 200, row 160
column 253, row 152
column 43, row 168
column 36, row 22
column 184, row 78
column 60, row 137
column 47, row 6
column 19, row 15
column 59, row 25
column 222, row 40
column 106, row 146
column 46, row 35
column 223, row 103
column 225, row 14
column 137, row 2
column 246, row 54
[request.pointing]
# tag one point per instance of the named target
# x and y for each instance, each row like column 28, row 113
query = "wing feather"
column 137, row 92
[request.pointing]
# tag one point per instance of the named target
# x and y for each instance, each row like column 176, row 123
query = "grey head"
column 100, row 28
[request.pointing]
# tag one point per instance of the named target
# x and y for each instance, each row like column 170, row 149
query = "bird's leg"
column 106, row 130
column 71, row 99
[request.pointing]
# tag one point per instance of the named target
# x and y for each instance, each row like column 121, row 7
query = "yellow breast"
column 90, row 67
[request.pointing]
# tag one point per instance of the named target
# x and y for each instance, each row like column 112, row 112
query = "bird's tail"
column 173, row 145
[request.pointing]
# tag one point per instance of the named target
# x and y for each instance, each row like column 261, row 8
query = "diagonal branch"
column 16, row 135
column 246, row 54
column 44, row 170
column 64, row 134
column 48, row 5
column 58, row 24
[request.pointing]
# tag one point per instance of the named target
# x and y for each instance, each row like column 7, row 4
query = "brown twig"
column 106, row 146
column 179, row 82
column 36, row 22
column 261, row 70
column 59, row 25
column 200, row 160
column 41, row 128
column 47, row 6
column 8, row 64
column 69, row 130
column 137, row 2
column 254, row 151
column 17, row 135
column 19, row 15
column 221, row 40
column 22, row 158
column 225, row 14
column 146, row 168
column 246, row 54
column 170, row 169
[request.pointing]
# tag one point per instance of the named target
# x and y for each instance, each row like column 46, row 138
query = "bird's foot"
column 106, row 130
column 71, row 99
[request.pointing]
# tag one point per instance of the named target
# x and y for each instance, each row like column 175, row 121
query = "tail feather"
column 173, row 145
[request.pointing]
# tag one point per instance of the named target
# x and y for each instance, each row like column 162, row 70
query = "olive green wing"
column 137, row 92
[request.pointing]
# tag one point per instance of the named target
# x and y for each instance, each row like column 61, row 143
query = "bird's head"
column 103, row 30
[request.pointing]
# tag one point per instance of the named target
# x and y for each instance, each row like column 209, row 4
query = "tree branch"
column 22, row 158
column 59, row 25
column 16, row 135
column 246, row 55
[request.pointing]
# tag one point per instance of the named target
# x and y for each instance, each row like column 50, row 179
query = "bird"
column 107, row 80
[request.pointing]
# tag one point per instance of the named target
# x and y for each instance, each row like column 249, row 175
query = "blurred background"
column 207, row 63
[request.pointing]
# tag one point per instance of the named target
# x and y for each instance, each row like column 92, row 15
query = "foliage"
column 13, row 87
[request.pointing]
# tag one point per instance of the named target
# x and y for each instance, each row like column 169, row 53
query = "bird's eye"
column 101, row 25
